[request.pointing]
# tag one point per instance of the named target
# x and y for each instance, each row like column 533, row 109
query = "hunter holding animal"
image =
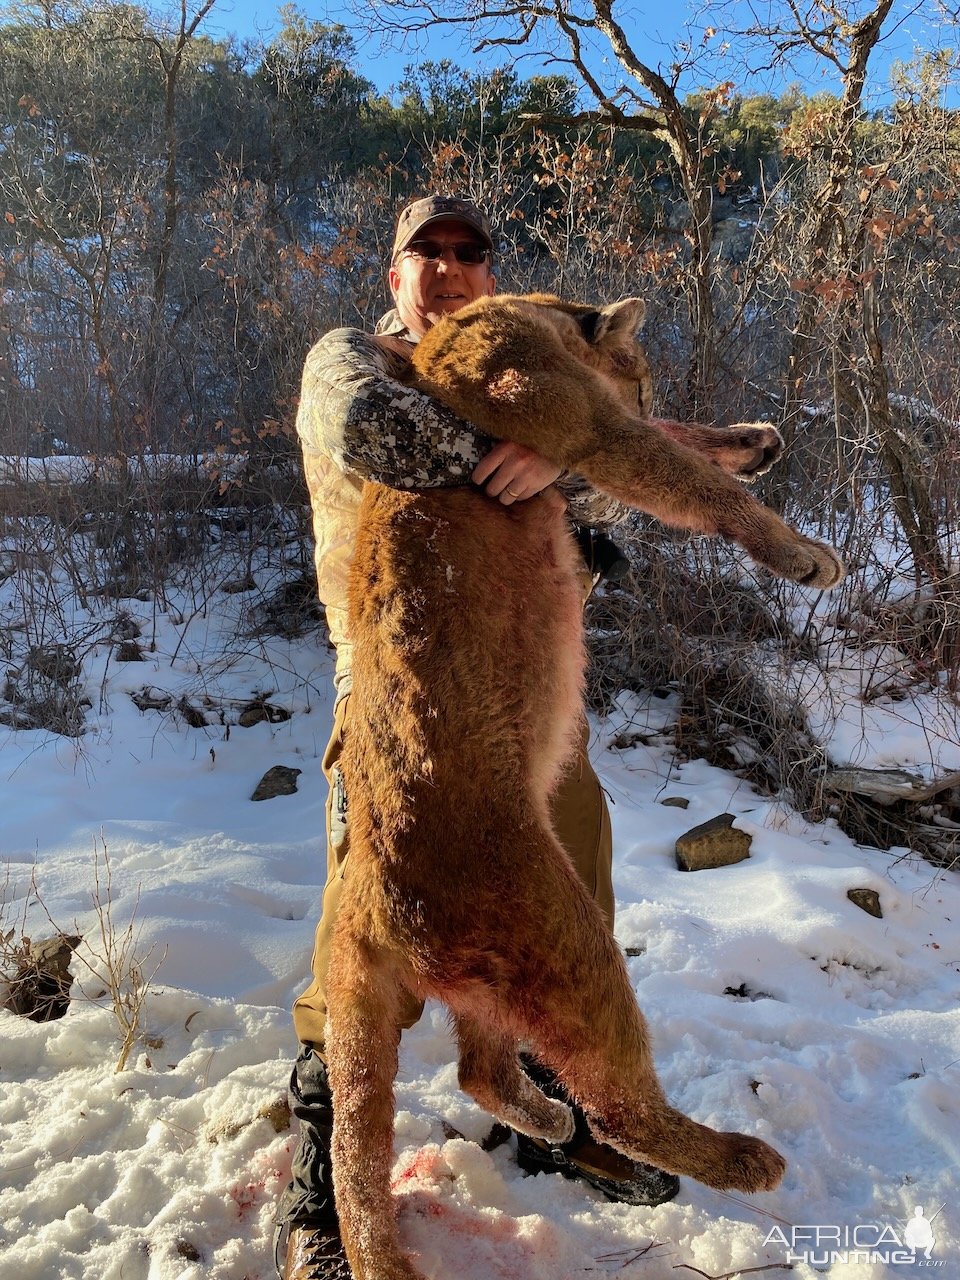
column 479, row 847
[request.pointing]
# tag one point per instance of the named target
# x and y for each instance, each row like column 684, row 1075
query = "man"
column 358, row 422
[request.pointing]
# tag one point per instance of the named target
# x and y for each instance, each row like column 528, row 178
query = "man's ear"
column 620, row 321
column 393, row 280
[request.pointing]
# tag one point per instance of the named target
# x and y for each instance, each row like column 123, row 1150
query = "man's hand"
column 513, row 473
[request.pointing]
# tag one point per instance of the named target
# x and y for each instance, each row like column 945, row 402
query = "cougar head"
column 614, row 333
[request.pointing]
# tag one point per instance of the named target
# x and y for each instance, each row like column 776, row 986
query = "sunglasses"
column 467, row 252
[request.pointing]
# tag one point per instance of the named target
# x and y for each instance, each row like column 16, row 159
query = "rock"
column 40, row 987
column 191, row 714
column 716, row 843
column 278, row 781
column 733, row 238
column 677, row 214
column 257, row 711
column 676, row 802
column 867, row 900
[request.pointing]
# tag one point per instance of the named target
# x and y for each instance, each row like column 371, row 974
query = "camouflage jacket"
column 357, row 421
column 375, row 427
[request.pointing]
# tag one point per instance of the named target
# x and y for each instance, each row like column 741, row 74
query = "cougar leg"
column 579, row 1011
column 490, row 1072
column 365, row 1001
column 613, row 1077
column 626, row 1108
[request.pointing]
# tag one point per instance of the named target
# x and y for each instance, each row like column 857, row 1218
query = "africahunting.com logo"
column 823, row 1244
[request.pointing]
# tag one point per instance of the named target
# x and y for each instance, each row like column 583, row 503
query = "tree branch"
column 643, row 124
column 732, row 1275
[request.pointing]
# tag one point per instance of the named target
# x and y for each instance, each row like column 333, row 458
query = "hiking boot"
column 315, row 1252
column 617, row 1176
column 307, row 1243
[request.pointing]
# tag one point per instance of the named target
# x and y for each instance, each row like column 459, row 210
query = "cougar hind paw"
column 753, row 1165
column 553, row 1121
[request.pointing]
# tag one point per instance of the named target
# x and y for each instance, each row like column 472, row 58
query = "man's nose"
column 448, row 260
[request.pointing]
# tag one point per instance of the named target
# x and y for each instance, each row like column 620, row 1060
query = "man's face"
column 424, row 290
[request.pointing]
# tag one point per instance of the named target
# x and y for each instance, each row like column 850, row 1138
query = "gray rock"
column 278, row 781
column 733, row 239
column 676, row 802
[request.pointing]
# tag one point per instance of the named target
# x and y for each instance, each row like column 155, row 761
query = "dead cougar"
column 468, row 668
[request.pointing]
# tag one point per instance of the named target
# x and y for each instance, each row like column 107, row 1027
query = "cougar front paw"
column 813, row 564
column 825, row 568
column 753, row 448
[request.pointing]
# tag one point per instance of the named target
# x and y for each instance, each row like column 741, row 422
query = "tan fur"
column 467, row 683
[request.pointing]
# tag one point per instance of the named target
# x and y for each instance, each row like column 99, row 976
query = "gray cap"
column 431, row 209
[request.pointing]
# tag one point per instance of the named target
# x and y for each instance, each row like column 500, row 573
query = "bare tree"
column 837, row 277
column 74, row 232
column 169, row 49
column 647, row 99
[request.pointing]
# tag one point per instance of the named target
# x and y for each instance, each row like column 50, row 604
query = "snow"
column 864, row 708
column 777, row 1006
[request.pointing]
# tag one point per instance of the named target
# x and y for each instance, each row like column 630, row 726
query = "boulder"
column 281, row 780
column 716, row 843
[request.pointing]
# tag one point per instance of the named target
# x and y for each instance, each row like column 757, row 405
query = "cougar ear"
column 588, row 322
column 620, row 321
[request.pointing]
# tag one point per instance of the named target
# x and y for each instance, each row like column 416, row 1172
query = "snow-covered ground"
column 778, row 1007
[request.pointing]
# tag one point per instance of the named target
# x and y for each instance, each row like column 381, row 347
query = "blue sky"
column 384, row 66
column 654, row 26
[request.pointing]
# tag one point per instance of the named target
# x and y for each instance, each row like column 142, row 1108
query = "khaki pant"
column 580, row 819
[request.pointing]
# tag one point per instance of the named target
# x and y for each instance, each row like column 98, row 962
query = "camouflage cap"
column 415, row 217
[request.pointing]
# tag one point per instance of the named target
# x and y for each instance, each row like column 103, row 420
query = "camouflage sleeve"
column 590, row 507
column 354, row 410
